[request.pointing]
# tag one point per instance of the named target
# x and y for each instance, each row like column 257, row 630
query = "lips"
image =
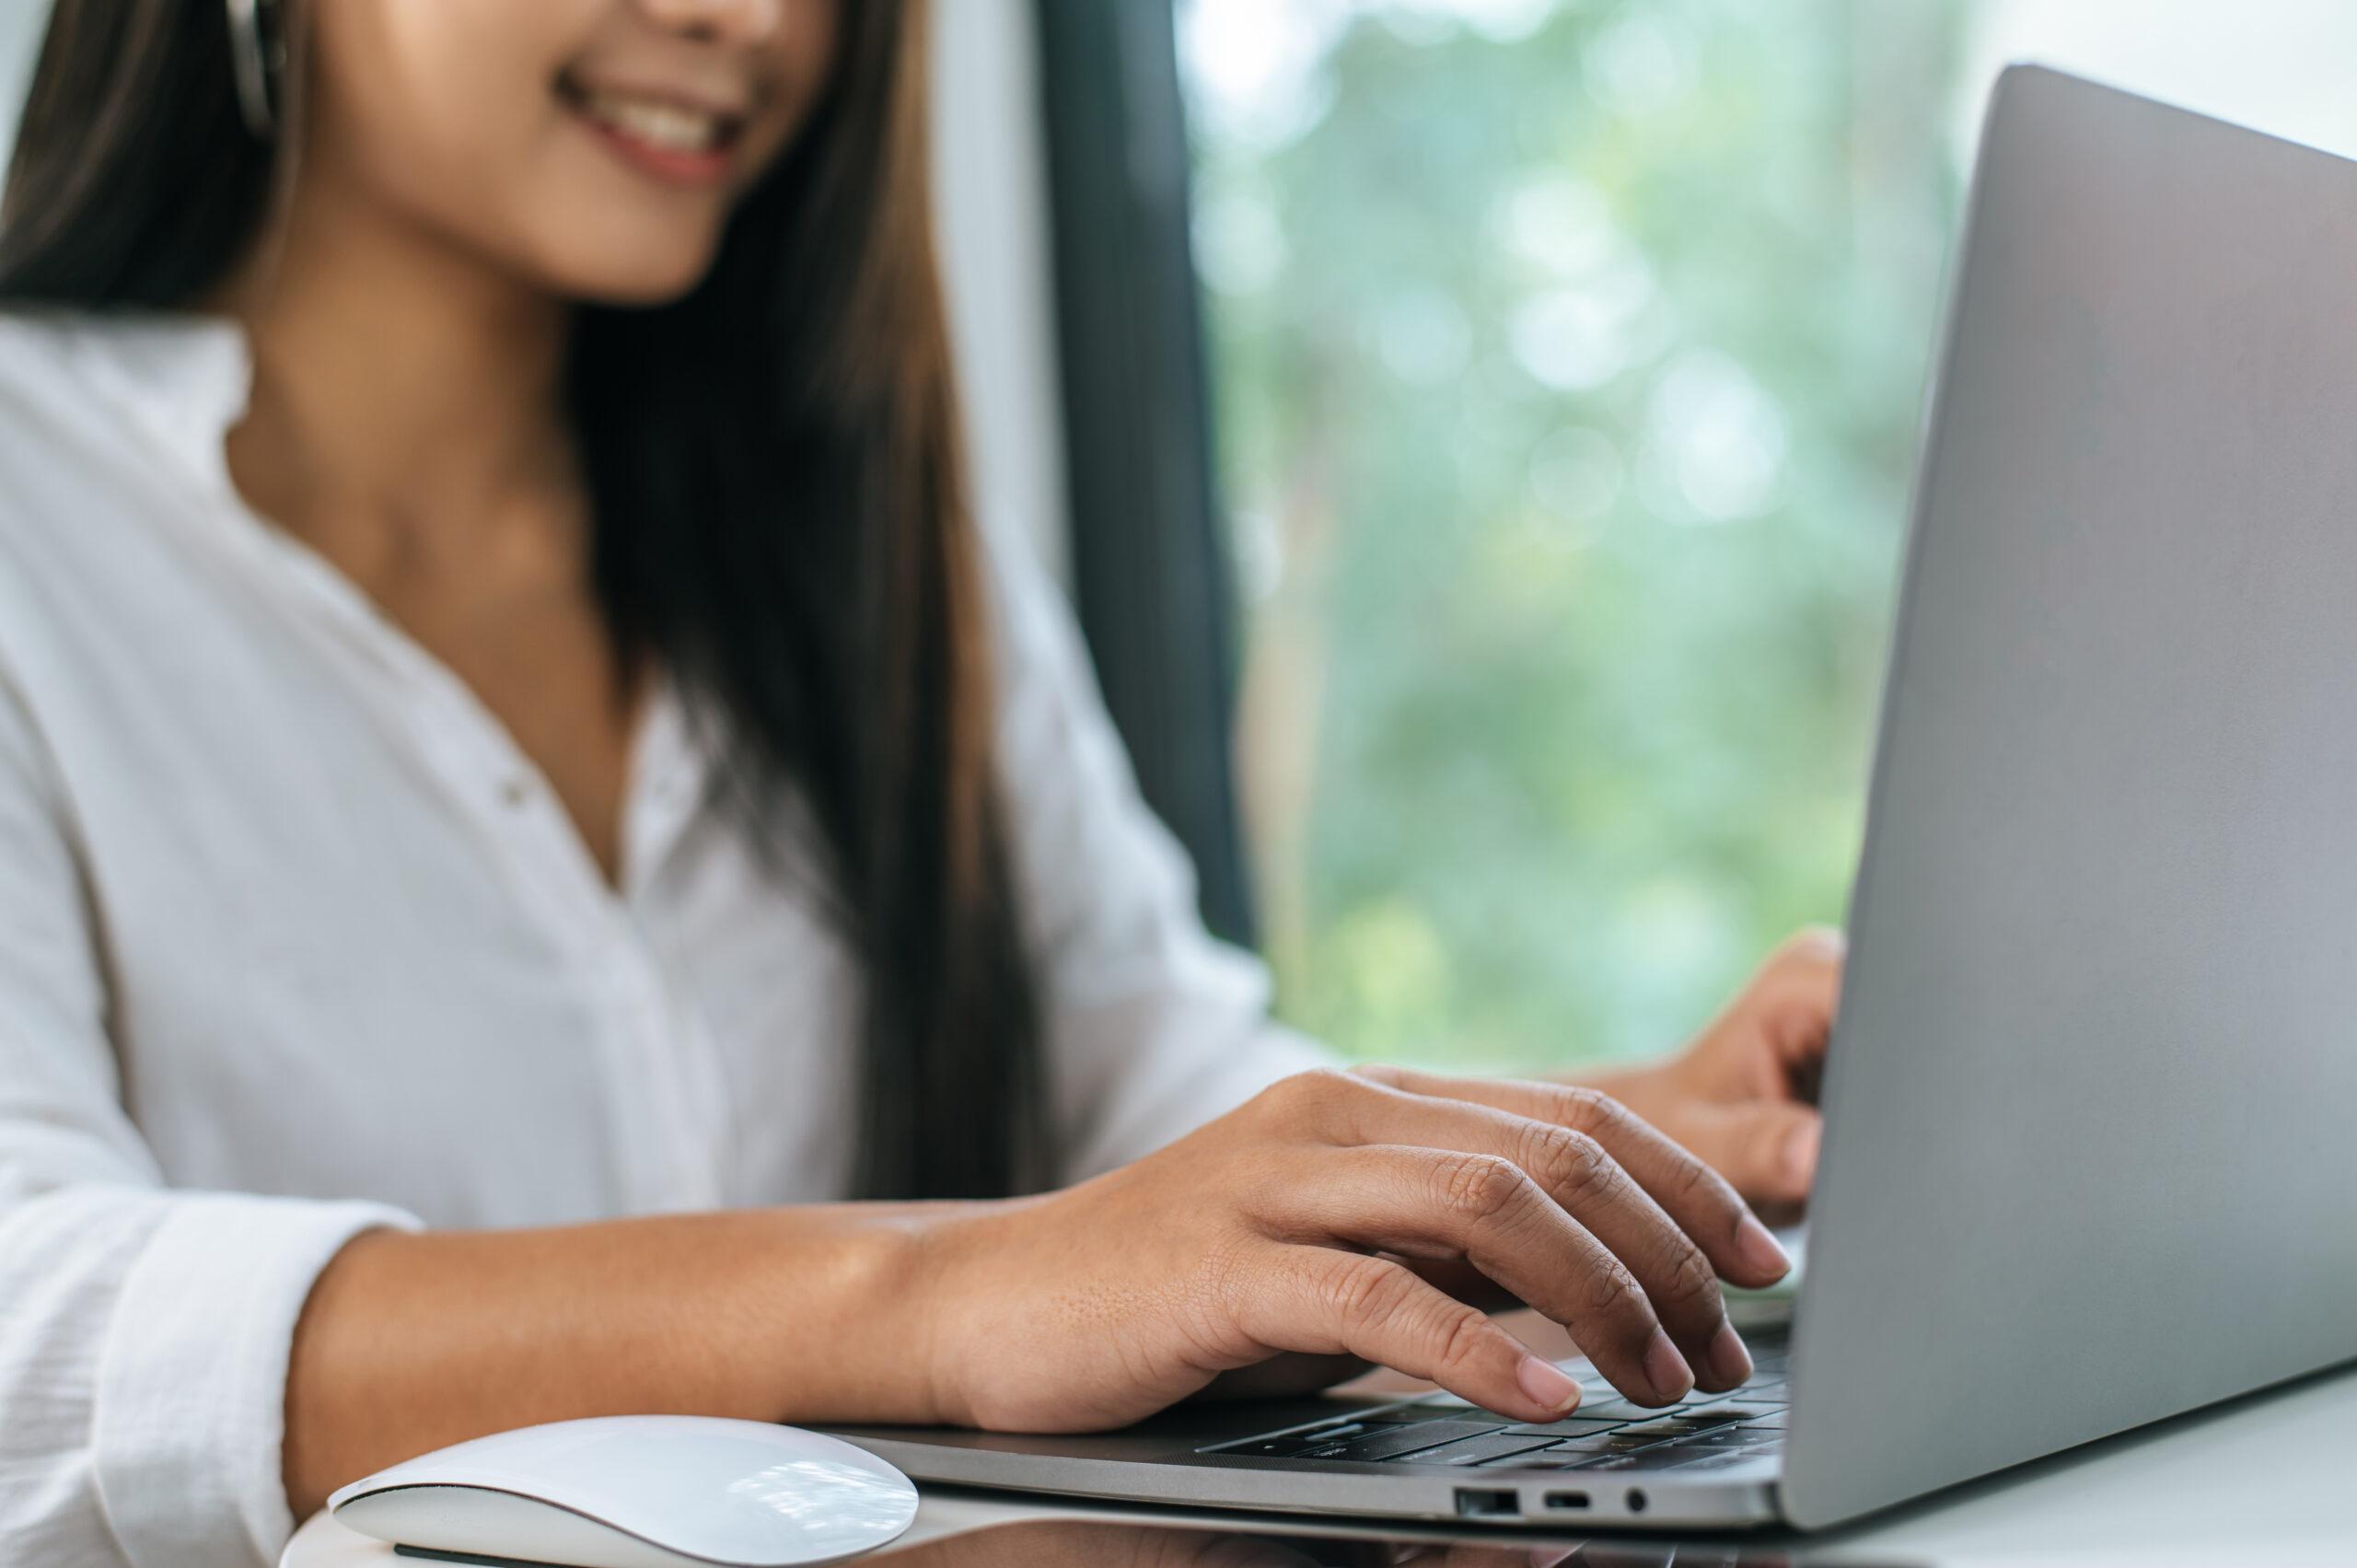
column 667, row 134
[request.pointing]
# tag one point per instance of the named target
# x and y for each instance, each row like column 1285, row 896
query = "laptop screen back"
column 2090, row 1159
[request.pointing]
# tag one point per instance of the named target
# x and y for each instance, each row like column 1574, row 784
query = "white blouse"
column 294, row 941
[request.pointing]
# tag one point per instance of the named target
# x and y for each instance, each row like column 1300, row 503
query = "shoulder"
column 30, row 331
column 81, row 485
column 51, row 406
column 1011, row 552
column 137, row 378
column 103, row 414
column 45, row 415
column 37, row 365
column 1033, row 630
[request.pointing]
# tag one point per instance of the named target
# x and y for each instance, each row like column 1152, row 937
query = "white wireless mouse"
column 638, row 1492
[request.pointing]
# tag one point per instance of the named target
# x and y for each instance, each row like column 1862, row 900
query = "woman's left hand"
column 1743, row 1096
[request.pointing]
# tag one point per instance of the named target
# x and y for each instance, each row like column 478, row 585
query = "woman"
column 520, row 792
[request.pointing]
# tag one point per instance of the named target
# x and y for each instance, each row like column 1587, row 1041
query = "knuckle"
column 1462, row 1335
column 1295, row 1095
column 1480, row 1187
column 1613, row 1296
column 1553, row 1155
column 1367, row 1290
column 1689, row 1180
column 1272, row 1101
column 1692, row 1285
column 1584, row 1172
column 1586, row 1110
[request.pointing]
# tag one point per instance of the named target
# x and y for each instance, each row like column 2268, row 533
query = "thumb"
column 1767, row 1148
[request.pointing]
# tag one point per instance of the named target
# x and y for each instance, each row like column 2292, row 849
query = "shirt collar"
column 186, row 376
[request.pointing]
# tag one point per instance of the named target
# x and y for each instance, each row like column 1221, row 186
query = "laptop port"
column 1636, row 1501
column 1567, row 1500
column 1480, row 1503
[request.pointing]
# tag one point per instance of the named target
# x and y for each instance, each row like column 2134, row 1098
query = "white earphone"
column 256, row 61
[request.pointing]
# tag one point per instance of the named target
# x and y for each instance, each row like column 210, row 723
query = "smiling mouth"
column 664, row 136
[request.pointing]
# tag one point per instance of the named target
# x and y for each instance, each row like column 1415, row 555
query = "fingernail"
column 1730, row 1362
column 1547, row 1383
column 1758, row 1249
column 1666, row 1370
column 1800, row 1153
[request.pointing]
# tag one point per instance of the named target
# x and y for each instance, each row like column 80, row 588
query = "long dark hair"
column 774, row 472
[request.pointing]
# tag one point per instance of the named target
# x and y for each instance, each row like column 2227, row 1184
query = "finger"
column 1767, row 1148
column 1325, row 1301
column 1820, row 946
column 1705, row 1207
column 1577, row 1176
column 1489, row 1209
column 1463, row 1280
column 1797, row 997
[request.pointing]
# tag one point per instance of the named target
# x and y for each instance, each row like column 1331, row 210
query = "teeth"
column 664, row 125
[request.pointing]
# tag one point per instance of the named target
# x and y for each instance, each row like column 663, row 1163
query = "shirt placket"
column 665, row 1103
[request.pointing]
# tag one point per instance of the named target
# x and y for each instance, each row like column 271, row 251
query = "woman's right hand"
column 1297, row 1223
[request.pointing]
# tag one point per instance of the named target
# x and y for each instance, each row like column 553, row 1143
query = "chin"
column 633, row 286
column 634, row 274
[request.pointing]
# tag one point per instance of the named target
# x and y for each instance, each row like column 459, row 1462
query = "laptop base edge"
column 1489, row 1496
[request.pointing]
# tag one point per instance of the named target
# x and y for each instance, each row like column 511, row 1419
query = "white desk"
column 2269, row 1481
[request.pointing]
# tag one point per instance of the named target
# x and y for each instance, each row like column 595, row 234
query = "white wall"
column 21, row 24
column 2281, row 65
column 991, row 182
column 991, row 208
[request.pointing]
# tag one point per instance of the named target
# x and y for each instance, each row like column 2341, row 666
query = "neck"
column 401, row 385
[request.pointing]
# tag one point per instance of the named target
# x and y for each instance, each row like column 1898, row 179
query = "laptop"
column 2087, row 1161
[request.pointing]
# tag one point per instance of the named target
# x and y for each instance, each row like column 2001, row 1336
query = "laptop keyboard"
column 1700, row 1432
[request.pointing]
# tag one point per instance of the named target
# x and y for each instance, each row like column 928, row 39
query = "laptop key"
column 1613, row 1462
column 1392, row 1441
column 1722, row 1460
column 1453, row 1408
column 1475, row 1450
column 1286, row 1444
column 1655, row 1451
column 1615, row 1409
column 1722, row 1437
column 1402, row 1413
column 1610, row 1442
column 1711, row 1415
column 1570, row 1426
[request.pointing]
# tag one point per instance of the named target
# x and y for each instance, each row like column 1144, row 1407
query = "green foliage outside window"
column 1567, row 364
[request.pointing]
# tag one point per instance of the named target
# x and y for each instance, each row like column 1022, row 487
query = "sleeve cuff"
column 191, row 1406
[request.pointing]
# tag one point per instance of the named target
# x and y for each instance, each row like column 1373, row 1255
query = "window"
column 1566, row 361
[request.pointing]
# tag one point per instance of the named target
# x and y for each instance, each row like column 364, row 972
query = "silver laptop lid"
column 2089, row 1158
